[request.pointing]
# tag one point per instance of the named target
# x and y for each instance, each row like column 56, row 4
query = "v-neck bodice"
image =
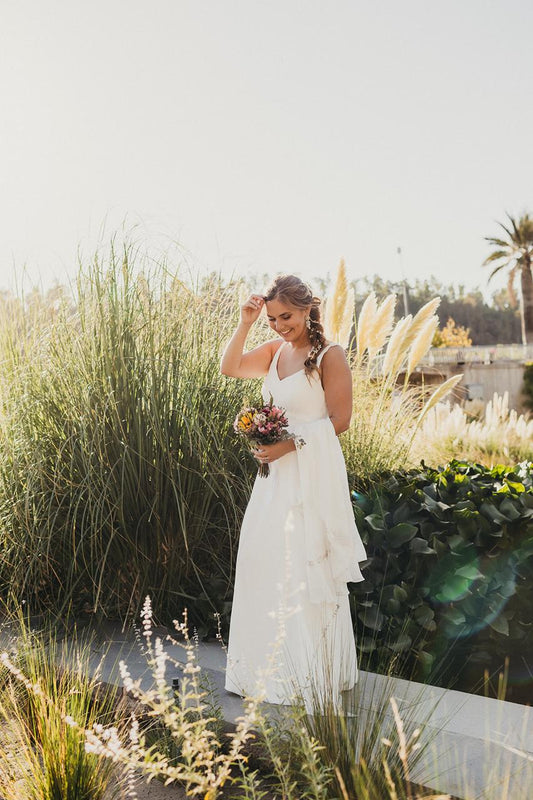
column 275, row 361
column 302, row 396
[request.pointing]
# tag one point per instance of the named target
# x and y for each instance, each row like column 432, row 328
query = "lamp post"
column 404, row 284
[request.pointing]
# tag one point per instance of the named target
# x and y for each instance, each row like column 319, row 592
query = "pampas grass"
column 340, row 306
column 421, row 317
column 365, row 324
column 439, row 393
column 421, row 344
column 387, row 409
column 499, row 436
column 396, row 351
column 382, row 326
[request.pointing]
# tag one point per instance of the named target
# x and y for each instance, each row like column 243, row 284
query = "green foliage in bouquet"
column 448, row 588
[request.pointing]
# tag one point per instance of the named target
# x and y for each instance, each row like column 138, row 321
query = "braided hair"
column 294, row 292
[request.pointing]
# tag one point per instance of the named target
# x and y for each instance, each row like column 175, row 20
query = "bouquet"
column 264, row 425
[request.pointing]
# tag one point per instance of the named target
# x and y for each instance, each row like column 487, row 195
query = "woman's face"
column 287, row 320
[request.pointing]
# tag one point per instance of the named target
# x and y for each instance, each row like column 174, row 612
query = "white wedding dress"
column 290, row 622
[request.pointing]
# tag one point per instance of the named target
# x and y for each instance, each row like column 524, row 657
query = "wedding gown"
column 290, row 623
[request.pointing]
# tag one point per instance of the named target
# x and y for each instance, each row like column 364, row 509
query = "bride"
column 290, row 628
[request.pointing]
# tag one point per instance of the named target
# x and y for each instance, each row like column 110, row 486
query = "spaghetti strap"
column 276, row 354
column 324, row 351
column 274, row 363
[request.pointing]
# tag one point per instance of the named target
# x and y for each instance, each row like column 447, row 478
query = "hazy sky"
column 265, row 136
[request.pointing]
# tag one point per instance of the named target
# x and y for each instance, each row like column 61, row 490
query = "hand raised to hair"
column 251, row 309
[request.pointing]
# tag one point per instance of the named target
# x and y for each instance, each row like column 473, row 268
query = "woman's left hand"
column 267, row 453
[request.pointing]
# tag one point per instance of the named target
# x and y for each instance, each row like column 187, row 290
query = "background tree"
column 515, row 253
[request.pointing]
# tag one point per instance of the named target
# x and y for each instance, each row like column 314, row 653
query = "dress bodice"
column 301, row 396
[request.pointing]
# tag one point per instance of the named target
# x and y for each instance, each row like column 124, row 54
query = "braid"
column 316, row 335
column 292, row 290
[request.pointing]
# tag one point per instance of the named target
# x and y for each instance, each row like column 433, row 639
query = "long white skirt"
column 280, row 640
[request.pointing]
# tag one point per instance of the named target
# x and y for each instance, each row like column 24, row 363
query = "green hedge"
column 448, row 588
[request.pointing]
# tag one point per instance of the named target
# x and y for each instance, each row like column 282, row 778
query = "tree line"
column 488, row 322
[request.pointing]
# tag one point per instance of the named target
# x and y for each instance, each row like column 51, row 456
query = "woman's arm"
column 254, row 364
column 337, row 383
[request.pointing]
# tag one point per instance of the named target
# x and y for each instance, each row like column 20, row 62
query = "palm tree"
column 515, row 253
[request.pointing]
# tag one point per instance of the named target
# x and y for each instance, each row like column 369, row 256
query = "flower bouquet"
column 264, row 425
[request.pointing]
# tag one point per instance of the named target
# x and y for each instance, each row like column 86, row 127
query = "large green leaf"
column 375, row 521
column 469, row 571
column 500, row 625
column 403, row 642
column 372, row 618
column 401, row 533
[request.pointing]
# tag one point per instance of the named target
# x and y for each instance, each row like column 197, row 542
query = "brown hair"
column 294, row 292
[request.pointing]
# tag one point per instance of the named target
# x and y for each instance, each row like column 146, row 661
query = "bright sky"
column 265, row 136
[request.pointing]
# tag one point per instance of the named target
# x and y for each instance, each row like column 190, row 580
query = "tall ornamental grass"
column 119, row 473
column 500, row 435
column 388, row 410
column 44, row 686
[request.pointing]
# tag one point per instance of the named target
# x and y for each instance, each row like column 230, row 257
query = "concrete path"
column 469, row 737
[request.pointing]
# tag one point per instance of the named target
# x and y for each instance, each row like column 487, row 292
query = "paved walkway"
column 470, row 736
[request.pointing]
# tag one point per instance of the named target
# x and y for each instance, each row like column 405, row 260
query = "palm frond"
column 497, row 242
column 496, row 270
column 506, row 229
column 497, row 255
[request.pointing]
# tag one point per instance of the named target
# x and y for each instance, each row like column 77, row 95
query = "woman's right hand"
column 251, row 309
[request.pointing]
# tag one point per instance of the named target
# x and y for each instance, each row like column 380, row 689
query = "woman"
column 290, row 624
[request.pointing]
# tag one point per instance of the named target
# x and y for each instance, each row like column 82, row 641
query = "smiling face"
column 288, row 321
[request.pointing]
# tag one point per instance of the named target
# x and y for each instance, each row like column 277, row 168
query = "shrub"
column 448, row 584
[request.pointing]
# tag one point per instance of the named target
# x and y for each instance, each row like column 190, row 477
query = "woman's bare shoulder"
column 275, row 344
column 271, row 347
column 332, row 354
column 332, row 348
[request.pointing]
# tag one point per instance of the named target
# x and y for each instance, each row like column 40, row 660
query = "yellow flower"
column 245, row 422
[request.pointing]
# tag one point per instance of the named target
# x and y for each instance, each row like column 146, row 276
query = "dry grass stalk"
column 340, row 306
column 366, row 323
column 396, row 347
column 439, row 393
column 422, row 316
column 422, row 343
column 382, row 326
column 419, row 321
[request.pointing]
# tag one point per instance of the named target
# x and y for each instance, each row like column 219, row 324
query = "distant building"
column 498, row 368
